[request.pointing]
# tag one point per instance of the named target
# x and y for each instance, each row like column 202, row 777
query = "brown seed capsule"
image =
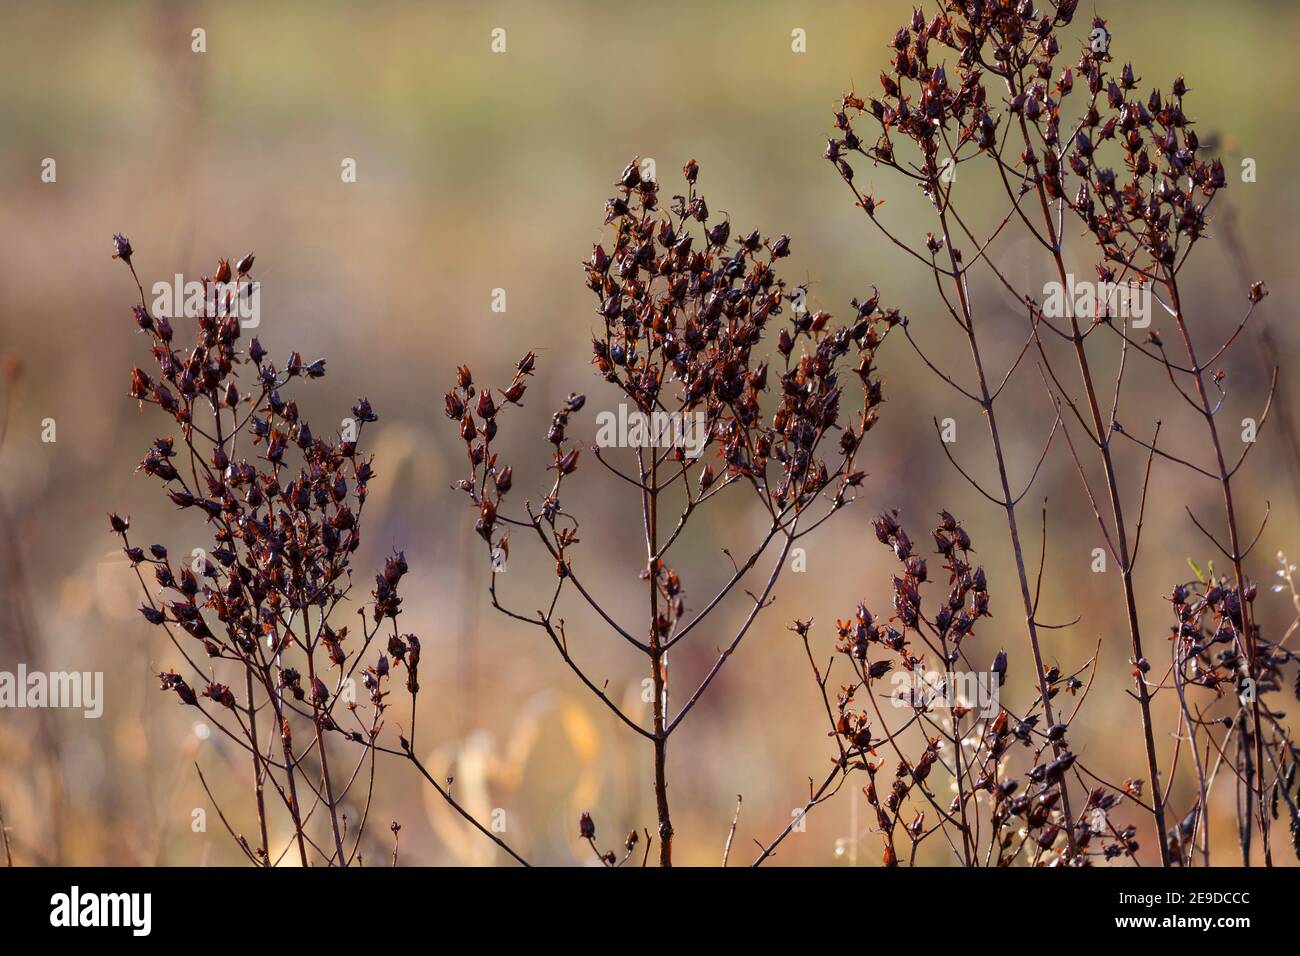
column 453, row 406
column 515, row 392
column 630, row 178
column 568, row 463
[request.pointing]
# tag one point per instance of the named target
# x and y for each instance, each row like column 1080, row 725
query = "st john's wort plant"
column 692, row 321
column 255, row 620
column 1218, row 691
column 1146, row 219
column 979, row 83
column 1006, row 769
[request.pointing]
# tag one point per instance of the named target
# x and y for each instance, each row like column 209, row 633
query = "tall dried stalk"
column 262, row 603
column 684, row 318
column 925, row 126
column 1145, row 229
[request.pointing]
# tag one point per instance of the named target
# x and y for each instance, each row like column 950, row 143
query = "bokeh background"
column 479, row 171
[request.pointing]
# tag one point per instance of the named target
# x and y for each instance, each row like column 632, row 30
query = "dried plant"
column 1207, row 656
column 991, row 819
column 1003, row 106
column 686, row 315
column 256, row 618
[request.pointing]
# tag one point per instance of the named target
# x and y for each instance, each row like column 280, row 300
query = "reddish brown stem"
column 1102, row 440
column 1009, row 505
column 657, row 663
column 1234, row 542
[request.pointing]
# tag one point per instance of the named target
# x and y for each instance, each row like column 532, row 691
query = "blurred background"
column 479, row 171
